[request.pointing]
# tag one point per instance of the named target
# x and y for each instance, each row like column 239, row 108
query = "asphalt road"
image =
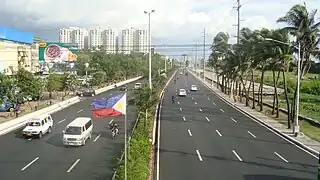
column 202, row 137
column 48, row 159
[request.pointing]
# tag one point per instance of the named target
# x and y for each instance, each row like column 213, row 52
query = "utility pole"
column 196, row 57
column 204, row 51
column 238, row 24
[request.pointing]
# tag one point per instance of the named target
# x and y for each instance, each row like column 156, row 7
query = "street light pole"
column 149, row 32
column 296, row 128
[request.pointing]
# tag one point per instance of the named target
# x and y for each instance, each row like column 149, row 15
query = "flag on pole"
column 114, row 106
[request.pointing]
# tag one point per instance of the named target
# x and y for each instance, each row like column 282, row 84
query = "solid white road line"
column 111, row 121
column 233, row 120
column 61, row 121
column 180, row 109
column 235, row 153
column 29, row 164
column 281, row 157
column 97, row 137
column 252, row 134
column 184, row 119
column 207, row 119
column 190, row 134
column 199, row 156
column 178, row 102
column 213, row 103
column 195, row 103
column 218, row 133
column 73, row 165
column 221, row 110
column 200, row 109
column 80, row 111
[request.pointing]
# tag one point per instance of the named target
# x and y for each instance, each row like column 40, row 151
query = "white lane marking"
column 97, row 137
column 80, row 111
column 199, row 156
column 61, row 121
column 195, row 103
column 178, row 102
column 281, row 157
column 233, row 120
column 111, row 121
column 252, row 134
column 180, row 109
column 190, row 134
column 208, row 98
column 213, row 103
column 29, row 164
column 207, row 119
column 221, row 110
column 235, row 153
column 73, row 165
column 218, row 133
column 184, row 119
column 29, row 139
column 200, row 109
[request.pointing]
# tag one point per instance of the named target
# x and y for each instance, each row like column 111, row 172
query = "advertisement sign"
column 15, row 35
column 58, row 52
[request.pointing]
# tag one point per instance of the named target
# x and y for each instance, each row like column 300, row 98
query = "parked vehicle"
column 77, row 132
column 86, row 92
column 7, row 105
column 38, row 126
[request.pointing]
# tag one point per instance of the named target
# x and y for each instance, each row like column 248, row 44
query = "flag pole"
column 125, row 143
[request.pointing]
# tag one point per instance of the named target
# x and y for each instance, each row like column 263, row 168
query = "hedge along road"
column 48, row 159
column 204, row 138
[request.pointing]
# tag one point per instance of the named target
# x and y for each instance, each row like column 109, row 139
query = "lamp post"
column 296, row 128
column 86, row 66
column 149, row 32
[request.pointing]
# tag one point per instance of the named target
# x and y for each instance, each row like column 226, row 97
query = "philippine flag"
column 114, row 106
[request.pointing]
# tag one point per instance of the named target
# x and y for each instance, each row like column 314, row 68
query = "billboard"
column 58, row 52
column 15, row 35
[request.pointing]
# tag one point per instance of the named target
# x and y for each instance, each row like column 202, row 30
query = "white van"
column 77, row 132
column 38, row 126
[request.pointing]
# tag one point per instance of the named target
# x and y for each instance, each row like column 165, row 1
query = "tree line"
column 103, row 69
column 262, row 50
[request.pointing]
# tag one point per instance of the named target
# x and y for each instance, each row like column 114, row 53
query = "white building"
column 65, row 35
column 128, row 37
column 80, row 36
column 109, row 38
column 141, row 41
column 95, row 38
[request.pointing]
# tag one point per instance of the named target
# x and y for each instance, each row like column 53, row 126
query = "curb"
column 275, row 130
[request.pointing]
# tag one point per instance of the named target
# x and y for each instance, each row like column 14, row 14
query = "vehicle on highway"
column 137, row 86
column 182, row 92
column 78, row 132
column 38, row 126
column 89, row 91
column 181, row 73
column 193, row 88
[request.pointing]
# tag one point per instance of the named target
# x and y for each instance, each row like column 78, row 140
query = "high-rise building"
column 95, row 39
column 141, row 41
column 109, row 38
column 127, row 36
column 65, row 35
column 80, row 36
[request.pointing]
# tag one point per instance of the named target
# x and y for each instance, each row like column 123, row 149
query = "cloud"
column 175, row 21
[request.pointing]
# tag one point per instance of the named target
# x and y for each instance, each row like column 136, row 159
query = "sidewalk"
column 266, row 88
column 302, row 141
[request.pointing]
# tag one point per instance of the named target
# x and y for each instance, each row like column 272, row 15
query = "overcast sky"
column 174, row 22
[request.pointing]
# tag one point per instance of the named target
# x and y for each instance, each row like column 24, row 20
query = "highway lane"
column 208, row 139
column 48, row 159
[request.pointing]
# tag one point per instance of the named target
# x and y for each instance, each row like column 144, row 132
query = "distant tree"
column 53, row 83
column 69, row 83
column 98, row 78
column 7, row 85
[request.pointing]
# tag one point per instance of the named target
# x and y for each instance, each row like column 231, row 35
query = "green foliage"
column 145, row 98
column 311, row 87
column 6, row 87
column 98, row 78
column 28, row 85
column 69, row 82
column 53, row 82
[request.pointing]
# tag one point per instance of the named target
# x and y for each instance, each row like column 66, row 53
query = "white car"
column 182, row 92
column 194, row 88
column 38, row 126
column 137, row 86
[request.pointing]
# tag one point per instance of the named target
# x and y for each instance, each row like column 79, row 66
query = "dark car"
column 86, row 92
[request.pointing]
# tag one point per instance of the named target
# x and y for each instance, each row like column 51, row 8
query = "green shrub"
column 311, row 87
